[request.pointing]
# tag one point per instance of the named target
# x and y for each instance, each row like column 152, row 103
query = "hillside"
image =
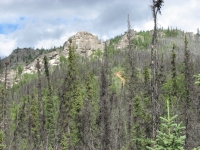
column 92, row 95
column 85, row 43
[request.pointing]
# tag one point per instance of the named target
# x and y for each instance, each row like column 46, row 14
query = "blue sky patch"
column 8, row 28
column 21, row 18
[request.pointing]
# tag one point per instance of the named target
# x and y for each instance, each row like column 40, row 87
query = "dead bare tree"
column 156, row 6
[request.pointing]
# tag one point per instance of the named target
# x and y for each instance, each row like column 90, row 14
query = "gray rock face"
column 84, row 43
column 14, row 78
column 123, row 42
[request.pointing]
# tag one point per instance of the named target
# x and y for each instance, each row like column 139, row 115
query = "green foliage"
column 2, row 137
column 24, row 145
column 116, row 81
column 64, row 142
column 63, row 60
column 198, row 148
column 142, row 40
column 167, row 87
column 72, row 101
column 146, row 78
column 115, row 40
column 171, row 32
column 49, row 107
column 137, row 112
column 75, row 100
column 197, row 82
column 97, row 54
column 26, row 78
column 170, row 135
column 34, row 117
column 19, row 69
column 49, row 115
column 140, row 117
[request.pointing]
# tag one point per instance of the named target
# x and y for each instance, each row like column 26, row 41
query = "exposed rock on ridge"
column 85, row 43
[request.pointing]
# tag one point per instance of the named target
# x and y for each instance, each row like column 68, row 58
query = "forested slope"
column 84, row 104
column 140, row 92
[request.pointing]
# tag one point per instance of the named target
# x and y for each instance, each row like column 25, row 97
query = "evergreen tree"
column 49, row 106
column 131, row 78
column 146, row 76
column 170, row 136
column 34, row 122
column 173, row 74
column 88, row 114
column 147, row 105
column 105, row 116
column 21, row 122
column 187, row 101
column 71, row 103
column 137, row 127
column 2, row 136
column 162, row 75
column 40, row 104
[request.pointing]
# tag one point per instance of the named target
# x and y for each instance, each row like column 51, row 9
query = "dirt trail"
column 119, row 75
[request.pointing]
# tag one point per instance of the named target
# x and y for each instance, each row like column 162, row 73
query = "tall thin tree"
column 187, row 102
column 156, row 6
column 104, row 104
column 40, row 103
column 49, row 106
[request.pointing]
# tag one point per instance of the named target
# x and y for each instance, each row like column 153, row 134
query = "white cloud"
column 6, row 45
column 45, row 23
column 50, row 43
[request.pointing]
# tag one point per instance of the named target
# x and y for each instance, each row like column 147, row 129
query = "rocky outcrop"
column 85, row 43
column 123, row 42
column 53, row 57
column 11, row 76
column 14, row 78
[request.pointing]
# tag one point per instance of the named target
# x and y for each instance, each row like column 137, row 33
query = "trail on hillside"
column 119, row 75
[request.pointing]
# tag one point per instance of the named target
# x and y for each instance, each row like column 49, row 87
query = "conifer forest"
column 145, row 96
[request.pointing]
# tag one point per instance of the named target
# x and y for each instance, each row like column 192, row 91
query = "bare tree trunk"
column 187, row 93
column 154, row 68
column 40, row 103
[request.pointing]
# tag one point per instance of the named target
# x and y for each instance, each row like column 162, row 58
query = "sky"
column 48, row 23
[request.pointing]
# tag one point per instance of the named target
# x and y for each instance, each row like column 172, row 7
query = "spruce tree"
column 170, row 136
column 147, row 105
column 49, row 106
column 137, row 126
column 105, row 116
column 146, row 77
column 87, row 113
column 34, row 122
column 2, row 137
column 40, row 104
column 71, row 103
column 173, row 74
column 187, row 100
column 131, row 78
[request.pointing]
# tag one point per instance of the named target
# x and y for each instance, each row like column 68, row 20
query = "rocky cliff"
column 85, row 43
